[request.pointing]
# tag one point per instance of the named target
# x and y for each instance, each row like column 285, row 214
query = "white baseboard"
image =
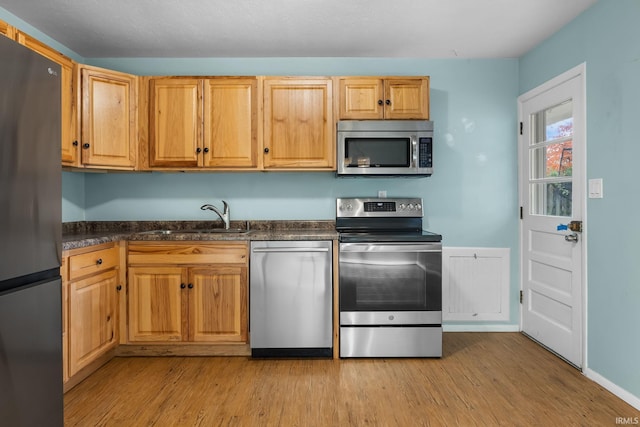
column 480, row 328
column 613, row 388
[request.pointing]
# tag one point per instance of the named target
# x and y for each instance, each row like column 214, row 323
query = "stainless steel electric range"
column 390, row 279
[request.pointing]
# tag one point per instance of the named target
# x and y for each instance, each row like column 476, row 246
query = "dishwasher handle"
column 291, row 249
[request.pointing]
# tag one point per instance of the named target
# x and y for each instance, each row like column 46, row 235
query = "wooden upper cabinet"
column 363, row 98
column 195, row 123
column 7, row 30
column 68, row 97
column 298, row 123
column 108, row 118
column 231, row 122
column 175, row 122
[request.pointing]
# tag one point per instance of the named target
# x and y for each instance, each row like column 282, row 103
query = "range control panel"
column 371, row 207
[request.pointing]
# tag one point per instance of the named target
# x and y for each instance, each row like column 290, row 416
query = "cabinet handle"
column 380, row 102
column 198, row 150
column 388, row 102
column 266, row 150
column 182, row 286
column 74, row 143
column 190, row 286
column 99, row 261
column 206, row 149
column 119, row 288
column 85, row 145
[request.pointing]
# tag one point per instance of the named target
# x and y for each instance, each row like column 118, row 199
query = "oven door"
column 390, row 277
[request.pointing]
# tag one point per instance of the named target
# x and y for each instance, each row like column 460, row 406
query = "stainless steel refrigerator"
column 31, row 391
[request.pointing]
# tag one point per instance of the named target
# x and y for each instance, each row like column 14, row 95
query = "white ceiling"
column 298, row 28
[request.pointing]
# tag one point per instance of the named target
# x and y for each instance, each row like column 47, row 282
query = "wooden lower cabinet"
column 201, row 301
column 91, row 292
column 93, row 327
column 218, row 304
column 155, row 304
column 91, row 289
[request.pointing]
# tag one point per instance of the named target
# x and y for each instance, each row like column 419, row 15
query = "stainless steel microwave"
column 385, row 147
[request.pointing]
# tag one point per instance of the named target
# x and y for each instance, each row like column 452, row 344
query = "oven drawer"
column 390, row 318
column 409, row 341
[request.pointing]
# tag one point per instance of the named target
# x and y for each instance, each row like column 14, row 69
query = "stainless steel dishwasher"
column 290, row 299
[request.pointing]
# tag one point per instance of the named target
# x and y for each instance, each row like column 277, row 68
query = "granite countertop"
column 82, row 234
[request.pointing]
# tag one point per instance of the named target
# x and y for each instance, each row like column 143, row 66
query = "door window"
column 550, row 154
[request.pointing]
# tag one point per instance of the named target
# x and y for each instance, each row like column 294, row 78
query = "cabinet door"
column 361, row 98
column 218, row 304
column 70, row 146
column 7, row 30
column 175, row 122
column 108, row 118
column 298, row 124
column 68, row 97
column 406, row 98
column 230, row 122
column 93, row 323
column 156, row 312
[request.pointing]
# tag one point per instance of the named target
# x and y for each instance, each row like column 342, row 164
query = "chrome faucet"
column 224, row 216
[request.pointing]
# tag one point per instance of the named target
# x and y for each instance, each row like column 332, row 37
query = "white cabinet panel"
column 475, row 284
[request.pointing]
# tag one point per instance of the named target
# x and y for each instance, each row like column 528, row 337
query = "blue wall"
column 607, row 38
column 471, row 198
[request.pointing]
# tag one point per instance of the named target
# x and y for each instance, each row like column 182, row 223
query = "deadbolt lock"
column 575, row 226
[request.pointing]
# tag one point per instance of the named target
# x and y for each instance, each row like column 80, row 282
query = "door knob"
column 573, row 237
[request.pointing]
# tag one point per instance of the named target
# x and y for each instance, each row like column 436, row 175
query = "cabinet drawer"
column 187, row 253
column 92, row 262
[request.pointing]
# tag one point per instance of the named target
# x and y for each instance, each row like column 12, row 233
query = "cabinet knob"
column 206, row 149
column 388, row 102
column 74, row 143
column 266, row 150
column 182, row 286
column 380, row 102
column 85, row 145
column 119, row 287
column 99, row 261
column 190, row 286
column 198, row 150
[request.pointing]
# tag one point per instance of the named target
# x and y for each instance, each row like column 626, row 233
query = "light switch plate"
column 595, row 188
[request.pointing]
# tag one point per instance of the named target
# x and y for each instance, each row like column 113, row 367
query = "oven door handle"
column 360, row 247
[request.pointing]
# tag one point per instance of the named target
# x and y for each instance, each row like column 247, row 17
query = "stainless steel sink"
column 203, row 231
column 224, row 230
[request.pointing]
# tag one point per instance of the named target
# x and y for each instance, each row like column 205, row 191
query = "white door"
column 552, row 176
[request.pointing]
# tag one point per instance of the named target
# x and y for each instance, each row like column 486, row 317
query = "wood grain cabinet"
column 108, row 118
column 362, row 98
column 7, row 30
column 299, row 128
column 203, row 122
column 188, row 292
column 91, row 310
column 68, row 97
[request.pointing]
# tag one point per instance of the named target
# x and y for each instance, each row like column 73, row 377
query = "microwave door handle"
column 414, row 151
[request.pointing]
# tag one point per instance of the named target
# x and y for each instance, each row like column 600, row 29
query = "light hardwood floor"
column 484, row 379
